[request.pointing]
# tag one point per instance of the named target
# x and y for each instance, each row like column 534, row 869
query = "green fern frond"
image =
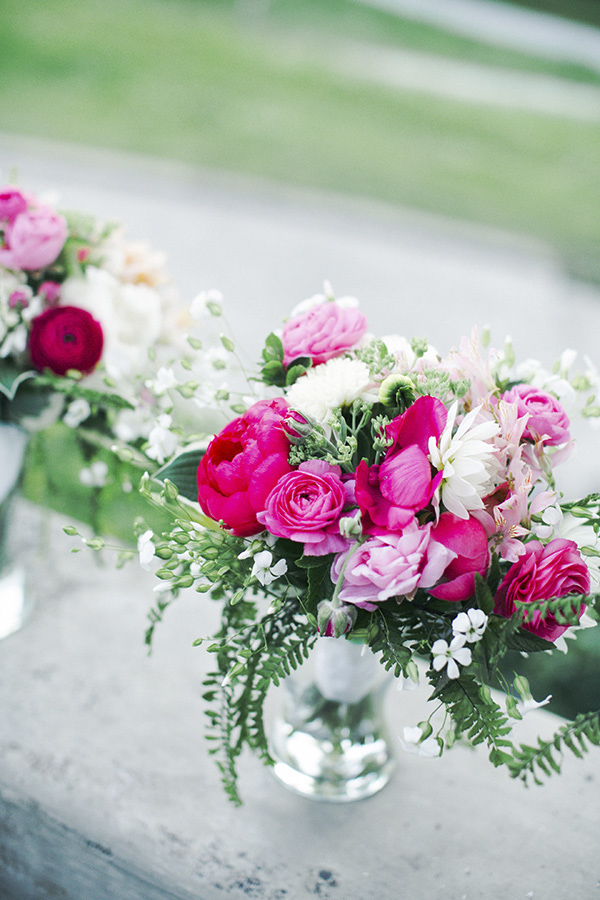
column 545, row 758
column 476, row 715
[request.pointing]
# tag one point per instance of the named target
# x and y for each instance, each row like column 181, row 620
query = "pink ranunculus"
column 65, row 338
column 12, row 202
column 49, row 291
column 325, row 331
column 390, row 565
column 305, row 506
column 391, row 492
column 547, row 422
column 542, row 572
column 467, row 540
column 241, row 466
column 33, row 239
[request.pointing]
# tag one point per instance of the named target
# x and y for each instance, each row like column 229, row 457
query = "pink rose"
column 33, row 239
column 242, row 465
column 391, row 492
column 467, row 541
column 390, row 565
column 12, row 202
column 548, row 422
column 325, row 331
column 49, row 291
column 305, row 506
column 540, row 573
column 65, row 338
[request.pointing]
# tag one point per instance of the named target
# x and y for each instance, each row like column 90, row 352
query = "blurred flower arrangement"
column 373, row 491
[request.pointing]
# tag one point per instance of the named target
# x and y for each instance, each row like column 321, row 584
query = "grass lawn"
column 214, row 85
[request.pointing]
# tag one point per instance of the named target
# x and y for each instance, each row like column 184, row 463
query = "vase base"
column 307, row 766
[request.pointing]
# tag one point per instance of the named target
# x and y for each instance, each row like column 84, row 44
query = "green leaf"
column 294, row 372
column 484, row 596
column 527, row 642
column 273, row 349
column 11, row 378
column 182, row 472
column 273, row 373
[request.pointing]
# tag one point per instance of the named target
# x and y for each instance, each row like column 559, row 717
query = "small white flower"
column 411, row 741
column 264, row 571
column 77, row 412
column 162, row 443
column 526, row 706
column 96, row 475
column 336, row 383
column 145, row 549
column 164, row 381
column 451, row 655
column 471, row 625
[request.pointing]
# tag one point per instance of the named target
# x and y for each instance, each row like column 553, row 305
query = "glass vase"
column 330, row 742
column 14, row 605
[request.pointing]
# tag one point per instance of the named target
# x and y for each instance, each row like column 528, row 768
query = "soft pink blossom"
column 547, row 421
column 325, row 331
column 33, row 239
column 543, row 572
column 467, row 541
column 306, row 505
column 12, row 202
column 390, row 565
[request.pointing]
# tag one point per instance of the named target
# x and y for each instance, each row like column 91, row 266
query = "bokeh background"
column 332, row 139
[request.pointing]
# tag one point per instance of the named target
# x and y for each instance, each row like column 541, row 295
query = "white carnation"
column 338, row 382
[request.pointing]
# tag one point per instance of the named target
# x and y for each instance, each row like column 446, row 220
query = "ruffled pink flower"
column 390, row 565
column 540, row 573
column 325, row 331
column 305, row 506
column 33, row 239
column 547, row 422
column 467, row 541
column 390, row 493
column 241, row 466
column 12, row 202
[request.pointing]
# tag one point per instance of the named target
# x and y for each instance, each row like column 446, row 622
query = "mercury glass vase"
column 329, row 742
column 14, row 605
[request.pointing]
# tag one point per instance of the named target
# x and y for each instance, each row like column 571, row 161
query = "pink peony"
column 325, row 331
column 390, row 493
column 305, row 506
column 540, row 573
column 467, row 540
column 390, row 565
column 242, row 465
column 65, row 338
column 547, row 422
column 33, row 239
column 12, row 202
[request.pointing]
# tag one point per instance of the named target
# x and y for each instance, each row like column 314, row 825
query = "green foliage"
column 531, row 763
column 181, row 471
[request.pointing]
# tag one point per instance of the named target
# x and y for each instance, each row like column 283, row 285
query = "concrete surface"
column 106, row 788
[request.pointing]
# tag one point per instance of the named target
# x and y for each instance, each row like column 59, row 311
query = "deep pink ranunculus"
column 325, row 331
column 305, row 506
column 540, row 573
column 241, row 466
column 33, row 239
column 64, row 338
column 467, row 539
column 12, row 202
column 390, row 565
column 547, row 421
column 390, row 493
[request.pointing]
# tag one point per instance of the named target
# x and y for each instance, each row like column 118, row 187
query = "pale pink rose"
column 547, row 422
column 33, row 239
column 390, row 565
column 306, row 505
column 467, row 540
column 12, row 202
column 325, row 331
column 541, row 573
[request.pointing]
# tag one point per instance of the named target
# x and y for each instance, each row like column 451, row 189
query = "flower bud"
column 334, row 621
column 351, row 526
column 397, row 390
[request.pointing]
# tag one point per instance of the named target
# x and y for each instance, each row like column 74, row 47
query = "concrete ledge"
column 107, row 790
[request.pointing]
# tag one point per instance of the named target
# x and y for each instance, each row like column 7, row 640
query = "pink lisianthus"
column 241, row 466
column 325, row 331
column 12, row 202
column 540, row 573
column 548, row 422
column 390, row 565
column 33, row 239
column 305, row 506
column 467, row 540
column 391, row 492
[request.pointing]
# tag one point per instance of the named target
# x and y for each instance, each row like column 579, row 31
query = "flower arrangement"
column 371, row 490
